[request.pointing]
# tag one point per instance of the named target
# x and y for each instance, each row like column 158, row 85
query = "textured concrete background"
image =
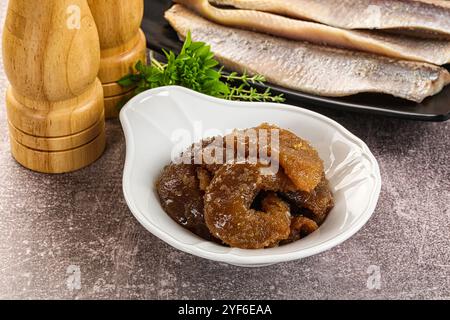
column 51, row 227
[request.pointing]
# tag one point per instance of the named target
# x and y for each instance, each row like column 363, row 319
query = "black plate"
column 437, row 108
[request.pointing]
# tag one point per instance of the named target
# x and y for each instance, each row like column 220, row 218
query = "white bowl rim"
column 229, row 257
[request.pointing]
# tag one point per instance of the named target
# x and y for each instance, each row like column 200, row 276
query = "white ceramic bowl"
column 149, row 121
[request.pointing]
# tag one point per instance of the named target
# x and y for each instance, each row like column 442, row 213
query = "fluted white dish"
column 150, row 120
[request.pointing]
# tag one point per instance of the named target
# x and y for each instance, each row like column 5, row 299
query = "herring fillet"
column 426, row 17
column 408, row 48
column 307, row 67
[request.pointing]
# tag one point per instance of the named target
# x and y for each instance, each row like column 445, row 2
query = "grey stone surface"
column 52, row 226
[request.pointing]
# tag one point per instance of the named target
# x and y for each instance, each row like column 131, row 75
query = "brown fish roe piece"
column 299, row 159
column 227, row 207
column 236, row 202
column 204, row 178
column 181, row 198
column 318, row 203
column 300, row 227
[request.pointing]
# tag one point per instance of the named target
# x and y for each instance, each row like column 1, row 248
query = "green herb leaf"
column 195, row 68
column 127, row 81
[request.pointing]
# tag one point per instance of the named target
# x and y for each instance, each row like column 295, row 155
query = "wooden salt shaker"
column 122, row 44
column 55, row 104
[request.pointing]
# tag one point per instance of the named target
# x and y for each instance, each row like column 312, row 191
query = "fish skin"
column 428, row 18
column 408, row 48
column 307, row 67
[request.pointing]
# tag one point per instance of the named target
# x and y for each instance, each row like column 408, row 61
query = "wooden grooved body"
column 114, row 67
column 112, row 104
column 55, row 104
column 61, row 118
column 115, row 89
column 58, row 143
column 59, row 161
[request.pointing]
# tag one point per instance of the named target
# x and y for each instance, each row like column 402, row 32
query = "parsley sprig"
column 196, row 68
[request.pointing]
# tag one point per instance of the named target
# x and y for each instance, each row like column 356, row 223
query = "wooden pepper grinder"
column 122, row 44
column 55, row 108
